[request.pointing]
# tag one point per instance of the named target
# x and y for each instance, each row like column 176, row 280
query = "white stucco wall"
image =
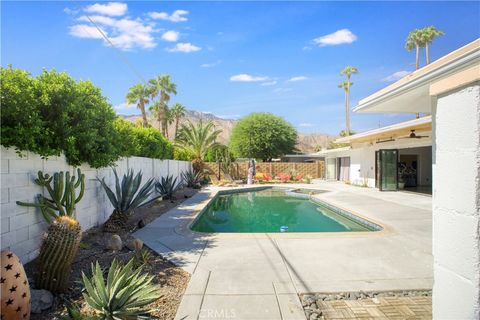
column 22, row 227
column 456, row 205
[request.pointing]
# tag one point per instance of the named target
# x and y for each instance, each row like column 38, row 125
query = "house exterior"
column 449, row 90
column 367, row 160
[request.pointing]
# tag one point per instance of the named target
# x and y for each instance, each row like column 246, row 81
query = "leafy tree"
column 177, row 112
column 52, row 113
column 139, row 94
column 345, row 85
column 263, row 136
column 198, row 138
column 163, row 87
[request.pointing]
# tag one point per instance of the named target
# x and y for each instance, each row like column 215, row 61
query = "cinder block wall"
column 22, row 228
column 456, row 204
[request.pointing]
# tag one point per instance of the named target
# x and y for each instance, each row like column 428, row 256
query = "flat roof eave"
column 398, row 129
column 411, row 93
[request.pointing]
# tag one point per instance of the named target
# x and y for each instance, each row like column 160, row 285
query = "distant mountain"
column 307, row 142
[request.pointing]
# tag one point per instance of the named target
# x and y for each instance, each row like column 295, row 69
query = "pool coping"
column 184, row 228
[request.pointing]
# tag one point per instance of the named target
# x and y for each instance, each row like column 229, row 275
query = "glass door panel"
column 388, row 170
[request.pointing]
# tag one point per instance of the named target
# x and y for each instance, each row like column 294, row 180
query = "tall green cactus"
column 64, row 234
column 62, row 193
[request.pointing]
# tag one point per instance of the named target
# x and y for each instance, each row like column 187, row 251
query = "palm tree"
column 155, row 109
column 177, row 111
column 138, row 94
column 347, row 71
column 428, row 34
column 415, row 40
column 197, row 140
column 162, row 86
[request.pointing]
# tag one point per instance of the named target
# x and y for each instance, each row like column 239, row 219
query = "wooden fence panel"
column 239, row 170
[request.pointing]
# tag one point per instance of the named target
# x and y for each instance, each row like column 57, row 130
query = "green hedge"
column 142, row 142
column 52, row 113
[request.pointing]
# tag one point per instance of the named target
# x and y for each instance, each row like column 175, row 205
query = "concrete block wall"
column 456, row 204
column 22, row 228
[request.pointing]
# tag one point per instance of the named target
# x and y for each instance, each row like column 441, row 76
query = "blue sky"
column 233, row 58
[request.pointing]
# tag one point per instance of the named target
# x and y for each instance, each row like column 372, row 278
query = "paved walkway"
column 259, row 276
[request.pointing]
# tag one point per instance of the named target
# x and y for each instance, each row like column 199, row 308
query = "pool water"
column 269, row 210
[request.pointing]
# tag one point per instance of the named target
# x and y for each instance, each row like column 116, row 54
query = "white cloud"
column 299, row 78
column 184, row 47
column 305, row 125
column 280, row 90
column 129, row 34
column 342, row 36
column 396, row 76
column 85, row 31
column 125, row 34
column 269, row 83
column 211, row 65
column 176, row 16
column 306, row 48
column 171, row 36
column 243, row 77
column 114, row 9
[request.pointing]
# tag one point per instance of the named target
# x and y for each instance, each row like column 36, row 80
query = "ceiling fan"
column 413, row 135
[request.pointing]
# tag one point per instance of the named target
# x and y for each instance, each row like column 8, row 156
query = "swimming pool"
column 270, row 210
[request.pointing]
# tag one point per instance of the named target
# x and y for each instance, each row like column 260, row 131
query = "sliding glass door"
column 386, row 164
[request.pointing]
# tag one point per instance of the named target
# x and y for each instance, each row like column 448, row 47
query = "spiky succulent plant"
column 167, row 186
column 124, row 294
column 191, row 179
column 129, row 195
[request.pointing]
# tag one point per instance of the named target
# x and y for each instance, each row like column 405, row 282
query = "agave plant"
column 124, row 295
column 167, row 186
column 191, row 179
column 128, row 196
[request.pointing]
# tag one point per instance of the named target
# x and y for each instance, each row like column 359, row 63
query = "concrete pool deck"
column 259, row 276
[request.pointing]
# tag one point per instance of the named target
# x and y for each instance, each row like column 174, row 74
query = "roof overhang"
column 332, row 151
column 411, row 94
column 421, row 126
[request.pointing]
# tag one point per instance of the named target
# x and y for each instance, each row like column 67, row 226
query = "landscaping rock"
column 135, row 245
column 140, row 224
column 115, row 243
column 41, row 300
column 314, row 316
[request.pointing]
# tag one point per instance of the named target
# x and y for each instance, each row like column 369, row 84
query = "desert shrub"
column 52, row 113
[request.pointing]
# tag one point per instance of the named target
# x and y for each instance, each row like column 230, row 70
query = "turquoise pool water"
column 269, row 210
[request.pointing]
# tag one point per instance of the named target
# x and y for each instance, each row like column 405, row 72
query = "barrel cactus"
column 62, row 240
